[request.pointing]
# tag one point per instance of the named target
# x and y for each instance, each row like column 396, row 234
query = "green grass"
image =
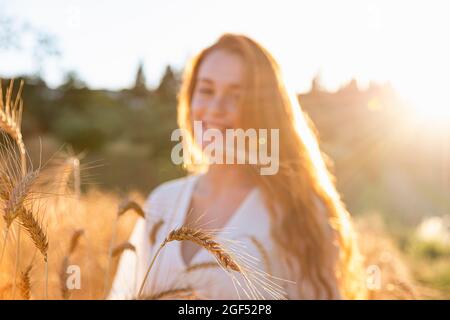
column 430, row 264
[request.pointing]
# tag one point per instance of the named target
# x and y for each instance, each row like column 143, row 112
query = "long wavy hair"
column 309, row 223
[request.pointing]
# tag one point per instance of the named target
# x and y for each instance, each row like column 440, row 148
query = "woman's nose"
column 218, row 104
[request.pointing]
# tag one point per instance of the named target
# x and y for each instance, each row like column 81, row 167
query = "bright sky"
column 404, row 42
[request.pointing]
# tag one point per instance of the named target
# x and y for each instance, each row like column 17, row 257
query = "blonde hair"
column 303, row 201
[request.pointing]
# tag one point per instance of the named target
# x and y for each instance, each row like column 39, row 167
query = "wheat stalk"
column 203, row 239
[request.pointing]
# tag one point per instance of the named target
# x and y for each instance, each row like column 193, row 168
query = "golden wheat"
column 203, row 239
column 124, row 206
column 16, row 185
column 17, row 196
column 5, row 186
column 25, row 283
column 35, row 231
column 206, row 241
column 11, row 116
column 67, row 168
column 10, row 122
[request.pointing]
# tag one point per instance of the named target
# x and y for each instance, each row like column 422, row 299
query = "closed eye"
column 205, row 91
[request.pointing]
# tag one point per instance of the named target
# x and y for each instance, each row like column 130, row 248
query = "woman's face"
column 215, row 100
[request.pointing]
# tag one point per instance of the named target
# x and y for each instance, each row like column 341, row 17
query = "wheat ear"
column 35, row 231
column 11, row 117
column 17, row 197
column 70, row 167
column 10, row 122
column 203, row 239
column 25, row 283
column 206, row 241
column 6, row 186
column 124, row 206
column 13, row 208
column 38, row 236
column 14, row 196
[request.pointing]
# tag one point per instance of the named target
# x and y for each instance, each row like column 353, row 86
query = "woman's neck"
column 219, row 178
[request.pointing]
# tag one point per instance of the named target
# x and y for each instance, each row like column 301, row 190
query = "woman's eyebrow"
column 232, row 86
column 205, row 80
column 208, row 80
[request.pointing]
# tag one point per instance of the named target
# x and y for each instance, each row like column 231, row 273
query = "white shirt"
column 245, row 233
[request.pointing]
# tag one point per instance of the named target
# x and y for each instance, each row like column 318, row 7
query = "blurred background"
column 101, row 78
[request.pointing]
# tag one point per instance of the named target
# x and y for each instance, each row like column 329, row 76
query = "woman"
column 293, row 221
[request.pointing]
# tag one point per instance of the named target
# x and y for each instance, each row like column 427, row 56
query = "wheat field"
column 48, row 224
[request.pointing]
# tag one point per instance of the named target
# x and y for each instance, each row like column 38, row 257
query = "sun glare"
column 429, row 104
